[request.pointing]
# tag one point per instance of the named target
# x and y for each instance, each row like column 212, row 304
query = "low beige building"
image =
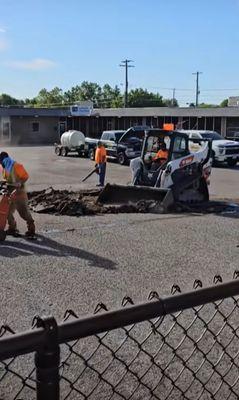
column 23, row 125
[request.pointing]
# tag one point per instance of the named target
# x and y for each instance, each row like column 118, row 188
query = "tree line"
column 104, row 96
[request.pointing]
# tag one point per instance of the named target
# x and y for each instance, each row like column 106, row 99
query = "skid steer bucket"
column 120, row 194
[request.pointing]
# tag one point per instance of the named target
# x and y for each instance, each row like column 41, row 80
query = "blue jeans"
column 102, row 170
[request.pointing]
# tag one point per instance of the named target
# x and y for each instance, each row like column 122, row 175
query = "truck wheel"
column 92, row 154
column 121, row 158
column 58, row 151
column 231, row 163
column 64, row 152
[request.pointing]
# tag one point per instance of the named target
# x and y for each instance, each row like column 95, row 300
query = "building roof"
column 169, row 112
column 33, row 112
column 124, row 112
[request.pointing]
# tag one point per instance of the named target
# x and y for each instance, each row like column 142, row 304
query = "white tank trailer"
column 72, row 141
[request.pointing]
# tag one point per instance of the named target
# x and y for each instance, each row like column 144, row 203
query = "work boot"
column 12, row 232
column 31, row 229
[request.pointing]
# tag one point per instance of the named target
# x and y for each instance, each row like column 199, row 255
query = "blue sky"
column 47, row 43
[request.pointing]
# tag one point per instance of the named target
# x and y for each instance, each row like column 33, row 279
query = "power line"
column 185, row 89
column 215, row 90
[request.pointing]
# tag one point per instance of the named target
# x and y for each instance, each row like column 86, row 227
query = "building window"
column 185, row 123
column 35, row 126
column 201, row 123
column 109, row 124
column 217, row 124
column 193, row 123
column 209, row 123
column 6, row 130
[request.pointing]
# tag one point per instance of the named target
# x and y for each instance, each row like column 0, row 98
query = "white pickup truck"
column 222, row 150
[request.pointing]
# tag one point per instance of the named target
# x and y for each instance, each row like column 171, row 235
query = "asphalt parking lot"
column 46, row 169
column 77, row 262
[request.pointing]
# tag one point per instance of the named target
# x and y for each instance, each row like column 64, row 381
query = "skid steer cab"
column 167, row 172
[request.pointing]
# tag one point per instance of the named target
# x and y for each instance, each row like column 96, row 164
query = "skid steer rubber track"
column 120, row 194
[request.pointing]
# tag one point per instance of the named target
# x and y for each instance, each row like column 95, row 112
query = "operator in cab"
column 162, row 154
column 15, row 175
column 100, row 162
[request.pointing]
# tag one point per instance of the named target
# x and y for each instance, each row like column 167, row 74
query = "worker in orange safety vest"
column 15, row 174
column 100, row 162
column 162, row 154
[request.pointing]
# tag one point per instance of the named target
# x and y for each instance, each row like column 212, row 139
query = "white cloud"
column 36, row 64
column 3, row 44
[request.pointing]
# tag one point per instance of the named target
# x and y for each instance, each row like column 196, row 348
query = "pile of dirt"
column 64, row 202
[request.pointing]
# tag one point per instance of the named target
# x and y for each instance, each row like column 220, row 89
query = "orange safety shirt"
column 100, row 155
column 18, row 174
column 163, row 154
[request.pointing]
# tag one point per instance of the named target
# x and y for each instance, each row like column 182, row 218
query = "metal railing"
column 183, row 346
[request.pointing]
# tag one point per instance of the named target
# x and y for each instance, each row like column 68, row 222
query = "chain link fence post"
column 47, row 361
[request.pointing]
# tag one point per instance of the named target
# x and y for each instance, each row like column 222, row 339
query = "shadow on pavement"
column 45, row 246
column 226, row 167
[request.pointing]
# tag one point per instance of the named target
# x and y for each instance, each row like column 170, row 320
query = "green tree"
column 207, row 105
column 7, row 100
column 224, row 103
column 111, row 97
column 170, row 102
column 90, row 91
column 86, row 91
column 30, row 102
column 73, row 95
column 142, row 98
column 49, row 98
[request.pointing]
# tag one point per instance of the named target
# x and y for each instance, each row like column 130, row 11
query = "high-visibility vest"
column 100, row 155
column 18, row 174
column 163, row 154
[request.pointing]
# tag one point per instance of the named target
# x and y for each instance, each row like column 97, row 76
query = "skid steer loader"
column 181, row 178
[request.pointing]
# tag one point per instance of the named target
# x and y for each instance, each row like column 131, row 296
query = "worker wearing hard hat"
column 100, row 160
column 15, row 175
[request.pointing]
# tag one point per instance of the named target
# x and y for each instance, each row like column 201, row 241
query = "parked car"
column 122, row 146
column 223, row 150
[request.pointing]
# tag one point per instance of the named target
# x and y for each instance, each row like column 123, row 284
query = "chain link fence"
column 182, row 347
